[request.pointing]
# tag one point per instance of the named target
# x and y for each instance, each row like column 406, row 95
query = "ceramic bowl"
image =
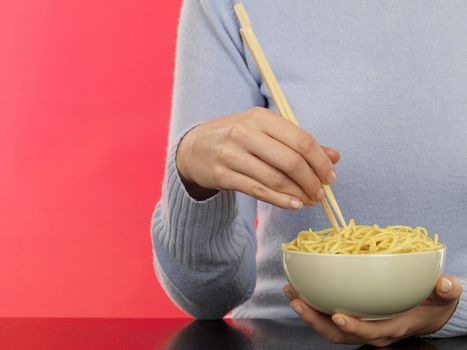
column 367, row 286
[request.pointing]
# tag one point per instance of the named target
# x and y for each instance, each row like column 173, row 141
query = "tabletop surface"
column 179, row 334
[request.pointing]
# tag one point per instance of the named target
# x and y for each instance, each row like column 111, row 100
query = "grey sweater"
column 384, row 82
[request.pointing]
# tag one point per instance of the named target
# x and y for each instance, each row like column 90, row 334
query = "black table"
column 178, row 334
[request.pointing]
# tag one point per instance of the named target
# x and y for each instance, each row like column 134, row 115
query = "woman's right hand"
column 258, row 153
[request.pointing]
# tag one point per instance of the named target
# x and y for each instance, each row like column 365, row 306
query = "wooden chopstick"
column 329, row 214
column 281, row 102
column 335, row 206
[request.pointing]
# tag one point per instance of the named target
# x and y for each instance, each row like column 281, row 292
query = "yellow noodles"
column 362, row 239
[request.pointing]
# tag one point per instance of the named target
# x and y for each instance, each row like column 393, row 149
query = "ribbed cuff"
column 457, row 324
column 196, row 233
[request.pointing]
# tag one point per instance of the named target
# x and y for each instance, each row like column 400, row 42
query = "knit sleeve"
column 204, row 251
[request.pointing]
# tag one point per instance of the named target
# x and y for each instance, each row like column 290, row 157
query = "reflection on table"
column 279, row 334
column 178, row 334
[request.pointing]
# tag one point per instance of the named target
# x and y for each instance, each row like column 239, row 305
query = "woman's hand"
column 258, row 153
column 426, row 318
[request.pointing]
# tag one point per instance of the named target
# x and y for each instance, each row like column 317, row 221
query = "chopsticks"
column 280, row 101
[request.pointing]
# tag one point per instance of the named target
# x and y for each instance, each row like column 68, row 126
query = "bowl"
column 366, row 286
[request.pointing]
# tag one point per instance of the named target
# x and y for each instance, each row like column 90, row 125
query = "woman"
column 384, row 82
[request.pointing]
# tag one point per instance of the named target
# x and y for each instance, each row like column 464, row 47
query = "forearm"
column 204, row 250
column 209, row 293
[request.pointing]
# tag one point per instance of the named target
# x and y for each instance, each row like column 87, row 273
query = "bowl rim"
column 359, row 256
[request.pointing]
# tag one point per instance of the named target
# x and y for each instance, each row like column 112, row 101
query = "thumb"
column 333, row 154
column 448, row 289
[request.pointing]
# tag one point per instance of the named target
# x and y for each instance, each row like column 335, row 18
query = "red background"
column 85, row 92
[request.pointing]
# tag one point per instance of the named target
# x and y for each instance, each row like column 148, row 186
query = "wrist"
column 195, row 191
column 180, row 162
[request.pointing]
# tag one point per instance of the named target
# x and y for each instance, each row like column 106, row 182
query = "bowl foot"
column 376, row 318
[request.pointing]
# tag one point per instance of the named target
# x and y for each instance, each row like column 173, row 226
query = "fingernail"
column 331, row 177
column 339, row 321
column 320, row 195
column 296, row 204
column 446, row 285
column 288, row 294
column 297, row 308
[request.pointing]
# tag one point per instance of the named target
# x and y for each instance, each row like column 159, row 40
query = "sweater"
column 384, row 82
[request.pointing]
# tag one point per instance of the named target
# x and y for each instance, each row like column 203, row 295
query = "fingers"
column 319, row 322
column 333, row 154
column 423, row 319
column 286, row 160
column 395, row 328
column 448, row 289
column 341, row 328
column 290, row 292
column 228, row 179
column 301, row 142
column 243, row 162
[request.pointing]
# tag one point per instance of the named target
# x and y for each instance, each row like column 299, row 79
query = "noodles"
column 362, row 239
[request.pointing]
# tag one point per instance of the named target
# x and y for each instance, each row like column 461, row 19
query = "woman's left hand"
column 426, row 318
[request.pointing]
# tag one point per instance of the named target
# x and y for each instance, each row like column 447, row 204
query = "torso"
column 385, row 83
